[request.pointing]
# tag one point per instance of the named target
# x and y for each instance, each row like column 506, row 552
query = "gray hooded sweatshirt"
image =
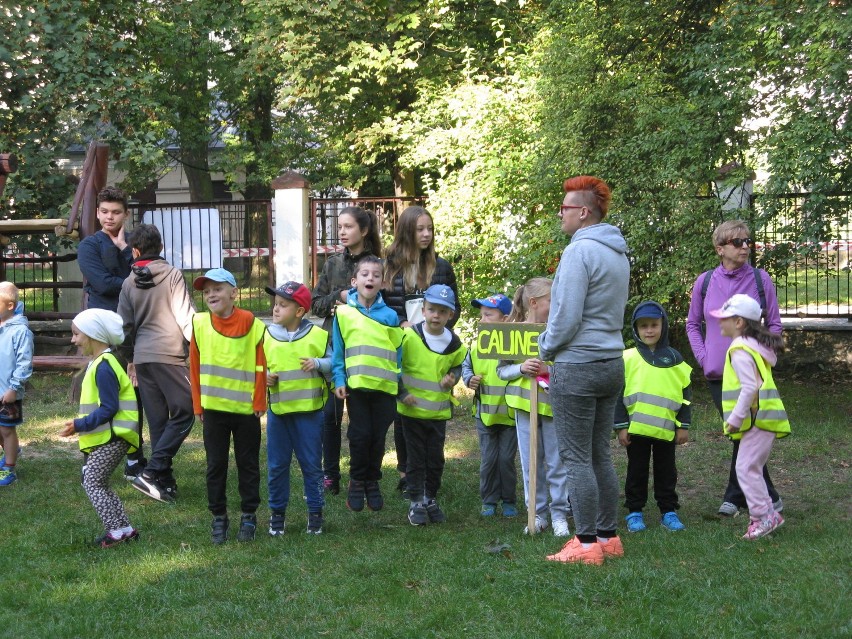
column 588, row 298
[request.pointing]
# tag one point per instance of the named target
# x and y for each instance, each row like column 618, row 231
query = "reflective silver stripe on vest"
column 373, row 351
column 728, row 395
column 768, row 393
column 518, row 391
column 225, row 393
column 485, row 389
column 126, row 423
column 422, row 384
column 425, row 404
column 653, row 420
column 653, row 400
column 290, row 376
column 86, row 409
column 227, row 373
column 122, row 405
column 371, row 371
column 490, row 409
column 771, row 415
column 302, row 393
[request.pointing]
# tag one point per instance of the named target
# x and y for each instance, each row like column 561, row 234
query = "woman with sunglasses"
column 732, row 242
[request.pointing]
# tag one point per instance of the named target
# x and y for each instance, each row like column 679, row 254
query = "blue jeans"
column 299, row 433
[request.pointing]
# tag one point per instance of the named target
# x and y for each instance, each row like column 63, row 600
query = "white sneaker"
column 727, row 509
column 540, row 525
column 560, row 527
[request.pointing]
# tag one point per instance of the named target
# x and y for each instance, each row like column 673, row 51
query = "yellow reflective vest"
column 125, row 423
column 296, row 391
column 491, row 393
column 518, row 397
column 422, row 372
column 653, row 396
column 370, row 353
column 767, row 411
column 227, row 366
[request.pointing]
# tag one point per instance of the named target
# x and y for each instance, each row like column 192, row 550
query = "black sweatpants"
column 370, row 416
column 665, row 474
column 424, row 439
column 218, row 429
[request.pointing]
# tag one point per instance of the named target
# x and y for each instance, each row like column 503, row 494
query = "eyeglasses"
column 568, row 206
column 739, row 241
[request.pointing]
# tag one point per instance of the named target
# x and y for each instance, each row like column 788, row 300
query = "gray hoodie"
column 588, row 298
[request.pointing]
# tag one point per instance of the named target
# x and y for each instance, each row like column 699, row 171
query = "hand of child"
column 200, row 417
column 410, row 400
column 308, row 364
column 681, row 436
column 624, row 437
column 131, row 373
column 730, row 428
column 259, row 413
column 67, row 430
column 473, row 383
column 340, row 392
column 9, row 396
column 531, row 367
column 448, row 381
column 271, row 378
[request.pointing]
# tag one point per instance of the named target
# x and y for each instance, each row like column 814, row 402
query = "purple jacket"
column 710, row 349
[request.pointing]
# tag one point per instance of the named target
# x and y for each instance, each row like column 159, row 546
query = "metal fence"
column 236, row 235
column 807, row 256
column 324, row 212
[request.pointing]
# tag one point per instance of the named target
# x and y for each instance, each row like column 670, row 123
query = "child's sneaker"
column 355, row 497
column 132, row 471
column 108, row 541
column 611, row 547
column 574, row 552
column 434, row 512
column 315, row 523
column 7, row 476
column 635, row 522
column 375, row 501
column 152, row 488
column 671, row 521
column 219, row 529
column 540, row 525
column 331, row 485
column 758, row 528
column 727, row 509
column 779, row 520
column 560, row 527
column 510, row 510
column 417, row 515
column 248, row 526
column 277, row 525
column 489, row 510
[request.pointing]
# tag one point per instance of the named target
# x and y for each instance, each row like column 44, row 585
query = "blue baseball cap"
column 440, row 294
column 498, row 301
column 214, row 275
column 648, row 310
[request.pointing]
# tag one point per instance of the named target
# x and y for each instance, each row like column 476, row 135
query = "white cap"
column 739, row 305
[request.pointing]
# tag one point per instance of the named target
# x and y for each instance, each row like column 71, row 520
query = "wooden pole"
column 533, row 461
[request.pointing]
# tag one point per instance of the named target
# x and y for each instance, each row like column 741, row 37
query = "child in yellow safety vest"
column 297, row 358
column 366, row 341
column 531, row 303
column 432, row 356
column 751, row 405
column 108, row 420
column 653, row 417
column 498, row 442
column 227, row 374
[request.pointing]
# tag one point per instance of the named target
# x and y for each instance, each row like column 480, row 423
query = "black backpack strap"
column 760, row 292
column 705, row 284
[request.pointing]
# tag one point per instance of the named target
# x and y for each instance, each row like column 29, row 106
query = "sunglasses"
column 739, row 241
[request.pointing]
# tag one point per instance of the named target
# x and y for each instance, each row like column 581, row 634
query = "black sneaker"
column 248, row 526
column 331, row 485
column 108, row 541
column 417, row 515
column 356, row 496
column 220, row 529
column 315, row 523
column 132, row 471
column 152, row 488
column 375, row 501
column 276, row 525
column 436, row 515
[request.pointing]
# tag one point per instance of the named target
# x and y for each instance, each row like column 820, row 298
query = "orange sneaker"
column 612, row 547
column 574, row 552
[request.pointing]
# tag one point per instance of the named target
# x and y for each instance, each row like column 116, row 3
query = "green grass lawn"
column 374, row 575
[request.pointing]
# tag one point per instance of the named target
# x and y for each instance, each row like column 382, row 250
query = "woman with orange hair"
column 583, row 339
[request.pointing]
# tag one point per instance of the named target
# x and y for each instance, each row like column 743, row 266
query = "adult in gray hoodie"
column 157, row 311
column 583, row 339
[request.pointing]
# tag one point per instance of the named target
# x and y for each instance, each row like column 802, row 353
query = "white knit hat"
column 102, row 325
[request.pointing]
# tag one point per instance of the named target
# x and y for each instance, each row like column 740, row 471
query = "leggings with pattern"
column 101, row 463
